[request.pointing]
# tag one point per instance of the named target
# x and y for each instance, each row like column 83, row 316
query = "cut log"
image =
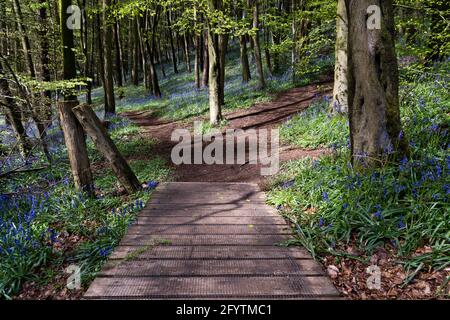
column 96, row 130
column 76, row 147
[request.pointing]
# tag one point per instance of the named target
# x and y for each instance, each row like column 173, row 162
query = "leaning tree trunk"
column 110, row 105
column 339, row 103
column 373, row 85
column 95, row 129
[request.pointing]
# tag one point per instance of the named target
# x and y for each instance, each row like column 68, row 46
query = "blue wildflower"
column 287, row 184
column 325, row 196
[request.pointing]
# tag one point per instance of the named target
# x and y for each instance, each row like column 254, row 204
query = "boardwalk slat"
column 182, row 239
column 209, row 252
column 157, row 229
column 243, row 220
column 188, row 267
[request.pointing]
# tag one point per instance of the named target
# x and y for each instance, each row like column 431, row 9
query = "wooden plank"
column 205, row 199
column 247, row 240
column 208, row 252
column 209, row 208
column 207, row 187
column 207, row 268
column 179, row 212
column 254, row 220
column 189, row 196
column 209, row 229
column 211, row 287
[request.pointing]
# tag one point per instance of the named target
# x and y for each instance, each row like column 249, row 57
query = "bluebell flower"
column 378, row 213
column 325, row 196
column 152, row 185
column 287, row 184
column 401, row 224
column 321, row 222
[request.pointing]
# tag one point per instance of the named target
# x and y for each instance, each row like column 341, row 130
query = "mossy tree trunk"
column 373, row 86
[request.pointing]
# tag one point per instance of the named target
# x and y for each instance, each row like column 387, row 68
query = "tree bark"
column 339, row 104
column 119, row 55
column 110, row 105
column 258, row 60
column 205, row 75
column 94, row 128
column 172, row 46
column 373, row 86
column 245, row 66
column 215, row 106
column 73, row 132
column 135, row 51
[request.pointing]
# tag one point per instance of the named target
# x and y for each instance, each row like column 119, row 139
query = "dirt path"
column 263, row 115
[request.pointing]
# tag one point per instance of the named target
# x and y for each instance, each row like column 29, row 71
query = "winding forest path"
column 212, row 236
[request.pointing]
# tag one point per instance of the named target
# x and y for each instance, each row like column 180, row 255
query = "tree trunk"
column 110, row 106
column 205, row 75
column 223, row 45
column 245, row 66
column 119, row 55
column 135, row 51
column 95, row 129
column 186, row 53
column 76, row 146
column 172, row 46
column 373, row 86
column 339, row 104
column 73, row 132
column 215, row 106
column 267, row 52
column 258, row 61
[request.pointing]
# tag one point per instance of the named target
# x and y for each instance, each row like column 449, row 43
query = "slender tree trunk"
column 110, row 106
column 215, row 106
column 245, row 66
column 119, row 55
column 339, row 104
column 373, row 86
column 135, row 51
column 257, row 48
column 152, row 51
column 223, row 45
column 172, row 46
column 186, row 53
column 205, row 75
column 267, row 52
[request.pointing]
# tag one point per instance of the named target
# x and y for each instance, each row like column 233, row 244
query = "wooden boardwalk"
column 209, row 241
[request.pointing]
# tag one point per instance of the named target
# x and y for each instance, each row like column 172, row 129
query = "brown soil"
column 260, row 116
